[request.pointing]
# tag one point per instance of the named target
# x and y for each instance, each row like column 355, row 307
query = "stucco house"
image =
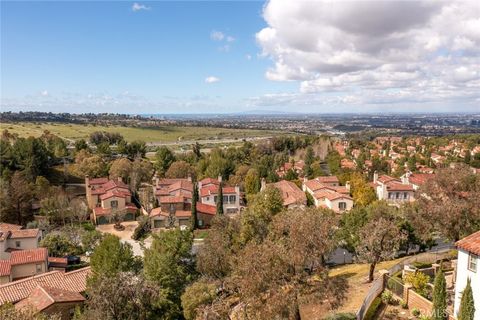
column 327, row 192
column 416, row 180
column 392, row 190
column 106, row 197
column 468, row 267
column 14, row 237
column 54, row 292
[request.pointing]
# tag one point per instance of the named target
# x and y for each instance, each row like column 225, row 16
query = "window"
column 225, row 199
column 208, row 198
column 232, row 199
column 18, row 244
column 397, row 195
column 472, row 262
column 342, row 205
column 114, row 204
column 390, row 195
column 215, row 199
column 39, row 268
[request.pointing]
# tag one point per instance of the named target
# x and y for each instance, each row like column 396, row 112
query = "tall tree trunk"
column 372, row 271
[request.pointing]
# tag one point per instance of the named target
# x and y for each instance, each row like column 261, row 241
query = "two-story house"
column 416, row 180
column 174, row 197
column 327, row 192
column 392, row 189
column 468, row 267
column 14, row 237
column 108, row 197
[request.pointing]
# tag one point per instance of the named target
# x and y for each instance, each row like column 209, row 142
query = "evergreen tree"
column 194, row 219
column 468, row 157
column 220, row 199
column 439, row 311
column 309, row 158
column 467, row 305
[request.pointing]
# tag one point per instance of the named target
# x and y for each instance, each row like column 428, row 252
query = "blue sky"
column 199, row 57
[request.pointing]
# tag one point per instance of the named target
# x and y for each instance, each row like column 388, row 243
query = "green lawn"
column 162, row 134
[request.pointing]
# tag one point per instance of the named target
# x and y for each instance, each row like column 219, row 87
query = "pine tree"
column 439, row 311
column 220, row 200
column 194, row 219
column 309, row 158
column 467, row 305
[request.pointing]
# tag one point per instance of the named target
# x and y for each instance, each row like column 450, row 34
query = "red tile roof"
column 291, row 193
column 213, row 189
column 9, row 227
column 97, row 181
column 57, row 262
column 5, row 267
column 385, row 179
column 206, row 208
column 397, row 186
column 43, row 296
column 71, row 281
column 28, row 256
column 207, row 181
column 172, row 199
column 119, row 193
column 25, row 233
column 470, row 243
column 328, row 179
column 420, row 178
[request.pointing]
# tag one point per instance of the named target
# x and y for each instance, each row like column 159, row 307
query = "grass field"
column 161, row 134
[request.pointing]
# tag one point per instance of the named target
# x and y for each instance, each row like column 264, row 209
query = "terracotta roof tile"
column 470, row 243
column 5, row 267
column 291, row 193
column 17, row 290
column 28, row 256
column 43, row 296
column 206, row 208
column 9, row 227
column 25, row 233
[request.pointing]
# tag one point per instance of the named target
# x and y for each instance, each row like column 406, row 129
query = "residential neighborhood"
column 240, row 160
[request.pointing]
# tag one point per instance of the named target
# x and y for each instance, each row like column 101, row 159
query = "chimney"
column 87, row 181
column 263, row 184
column 219, row 178
column 189, row 178
column 375, row 176
column 237, row 189
column 347, row 185
column 119, row 179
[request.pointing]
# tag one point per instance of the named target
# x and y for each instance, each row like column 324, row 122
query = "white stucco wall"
column 461, row 281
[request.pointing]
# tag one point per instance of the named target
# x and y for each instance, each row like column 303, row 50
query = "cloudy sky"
column 224, row 56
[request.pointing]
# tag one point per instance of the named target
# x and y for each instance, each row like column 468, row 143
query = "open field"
column 163, row 134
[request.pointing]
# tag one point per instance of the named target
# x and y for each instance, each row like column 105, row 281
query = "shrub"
column 341, row 316
column 416, row 312
column 404, row 304
column 419, row 282
column 424, row 317
column 387, row 297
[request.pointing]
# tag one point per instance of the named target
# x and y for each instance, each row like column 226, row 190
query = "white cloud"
column 211, row 79
column 419, row 50
column 248, row 56
column 44, row 93
column 139, row 7
column 217, row 35
column 230, row 39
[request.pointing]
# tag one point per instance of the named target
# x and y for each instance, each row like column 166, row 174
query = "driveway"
column 126, row 235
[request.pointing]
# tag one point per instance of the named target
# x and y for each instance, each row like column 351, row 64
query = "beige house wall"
column 27, row 270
